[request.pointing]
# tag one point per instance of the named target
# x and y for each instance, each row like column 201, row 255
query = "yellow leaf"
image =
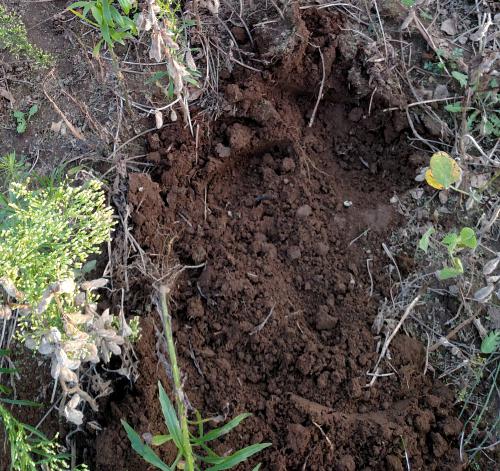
column 444, row 171
column 431, row 181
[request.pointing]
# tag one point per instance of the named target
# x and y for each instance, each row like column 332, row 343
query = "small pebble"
column 304, row 211
column 293, row 252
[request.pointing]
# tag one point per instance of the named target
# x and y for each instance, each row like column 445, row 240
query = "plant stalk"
column 176, row 375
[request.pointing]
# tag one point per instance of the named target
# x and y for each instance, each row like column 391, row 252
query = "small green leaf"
column 157, row 76
column 21, row 121
column 158, row 440
column 32, row 111
column 491, row 342
column 126, row 6
column 423, row 243
column 460, row 78
column 239, row 456
column 467, row 238
column 408, row 3
column 218, row 432
column 451, row 241
column 451, row 272
column 454, row 107
column 170, row 416
column 144, row 450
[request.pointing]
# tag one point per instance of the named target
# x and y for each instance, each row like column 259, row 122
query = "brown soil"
column 278, row 321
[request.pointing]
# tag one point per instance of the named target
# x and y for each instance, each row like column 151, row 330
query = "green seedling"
column 491, row 342
column 454, row 243
column 23, row 119
column 189, row 437
column 14, row 39
column 113, row 22
column 483, row 114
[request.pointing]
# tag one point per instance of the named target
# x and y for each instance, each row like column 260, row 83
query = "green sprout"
column 193, row 450
column 454, row 243
column 23, row 119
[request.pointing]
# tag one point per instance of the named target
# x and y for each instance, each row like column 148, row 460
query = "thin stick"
column 358, row 237
column 453, row 332
column 70, row 126
column 322, row 85
column 388, row 340
column 263, row 323
column 324, row 435
column 368, row 260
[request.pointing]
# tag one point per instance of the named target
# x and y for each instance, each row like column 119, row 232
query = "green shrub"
column 45, row 235
column 14, row 39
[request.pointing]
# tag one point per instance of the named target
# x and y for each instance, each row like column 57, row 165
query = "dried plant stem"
column 176, row 376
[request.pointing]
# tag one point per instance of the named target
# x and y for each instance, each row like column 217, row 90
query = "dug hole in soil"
column 278, row 321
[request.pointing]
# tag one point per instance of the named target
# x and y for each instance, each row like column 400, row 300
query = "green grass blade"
column 20, row 402
column 239, row 456
column 218, row 432
column 8, row 371
column 170, row 417
column 144, row 450
column 34, row 431
column 256, row 468
column 158, row 440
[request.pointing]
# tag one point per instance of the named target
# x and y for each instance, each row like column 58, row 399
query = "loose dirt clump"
column 278, row 320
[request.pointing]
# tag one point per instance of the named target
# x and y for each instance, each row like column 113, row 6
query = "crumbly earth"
column 278, row 320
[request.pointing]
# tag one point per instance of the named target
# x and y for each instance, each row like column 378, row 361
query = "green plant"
column 453, row 242
column 23, row 119
column 483, row 114
column 13, row 168
column 113, row 22
column 193, row 450
column 47, row 234
column 30, row 449
column 14, row 39
column 491, row 342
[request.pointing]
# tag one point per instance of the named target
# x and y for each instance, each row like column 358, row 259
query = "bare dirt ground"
column 271, row 201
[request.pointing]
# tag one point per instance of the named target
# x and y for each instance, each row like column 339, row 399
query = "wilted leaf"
column 5, row 312
column 490, row 266
column 94, row 284
column 158, row 119
column 443, row 172
column 491, row 342
column 423, row 243
column 449, row 27
column 482, row 295
column 10, row 289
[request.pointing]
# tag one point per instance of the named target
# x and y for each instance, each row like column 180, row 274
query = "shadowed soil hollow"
column 278, row 321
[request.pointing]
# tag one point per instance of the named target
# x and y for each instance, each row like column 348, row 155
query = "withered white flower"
column 70, row 410
column 10, row 289
column 94, row 284
column 5, row 312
